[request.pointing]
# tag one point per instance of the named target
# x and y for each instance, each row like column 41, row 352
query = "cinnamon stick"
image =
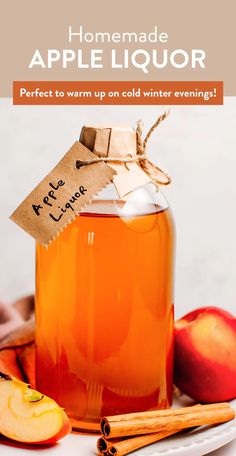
column 125, row 446
column 165, row 420
column 103, row 445
column 105, row 453
column 164, row 412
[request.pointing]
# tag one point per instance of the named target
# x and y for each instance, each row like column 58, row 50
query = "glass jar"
column 104, row 308
column 104, row 296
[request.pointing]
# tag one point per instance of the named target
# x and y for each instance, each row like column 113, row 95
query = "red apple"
column 205, row 355
column 28, row 416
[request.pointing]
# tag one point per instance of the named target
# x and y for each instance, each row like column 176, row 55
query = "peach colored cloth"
column 17, row 347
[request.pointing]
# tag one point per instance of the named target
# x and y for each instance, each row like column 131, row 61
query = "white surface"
column 194, row 443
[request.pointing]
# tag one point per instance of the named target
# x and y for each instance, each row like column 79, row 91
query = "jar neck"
column 144, row 200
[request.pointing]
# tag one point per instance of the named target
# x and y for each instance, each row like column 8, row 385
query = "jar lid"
column 117, row 141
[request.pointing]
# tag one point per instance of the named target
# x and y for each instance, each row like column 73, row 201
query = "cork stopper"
column 117, row 141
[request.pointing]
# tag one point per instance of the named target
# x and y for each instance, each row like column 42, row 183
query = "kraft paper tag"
column 61, row 195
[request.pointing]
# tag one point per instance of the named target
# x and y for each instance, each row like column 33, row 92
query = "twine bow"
column 154, row 172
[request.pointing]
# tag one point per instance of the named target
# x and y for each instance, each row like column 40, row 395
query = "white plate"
column 193, row 443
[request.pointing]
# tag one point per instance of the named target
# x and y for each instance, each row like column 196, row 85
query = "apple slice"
column 28, row 416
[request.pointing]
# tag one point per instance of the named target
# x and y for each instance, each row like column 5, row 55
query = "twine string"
column 155, row 173
column 154, row 126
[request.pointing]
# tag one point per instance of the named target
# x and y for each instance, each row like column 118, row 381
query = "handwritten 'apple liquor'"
column 50, row 198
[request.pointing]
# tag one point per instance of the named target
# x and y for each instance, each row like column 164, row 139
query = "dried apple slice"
column 28, row 416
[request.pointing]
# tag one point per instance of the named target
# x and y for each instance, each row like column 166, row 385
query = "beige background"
column 28, row 24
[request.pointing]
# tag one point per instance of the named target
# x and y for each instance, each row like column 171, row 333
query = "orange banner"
column 118, row 92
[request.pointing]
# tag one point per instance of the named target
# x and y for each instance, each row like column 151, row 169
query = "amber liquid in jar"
column 104, row 314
